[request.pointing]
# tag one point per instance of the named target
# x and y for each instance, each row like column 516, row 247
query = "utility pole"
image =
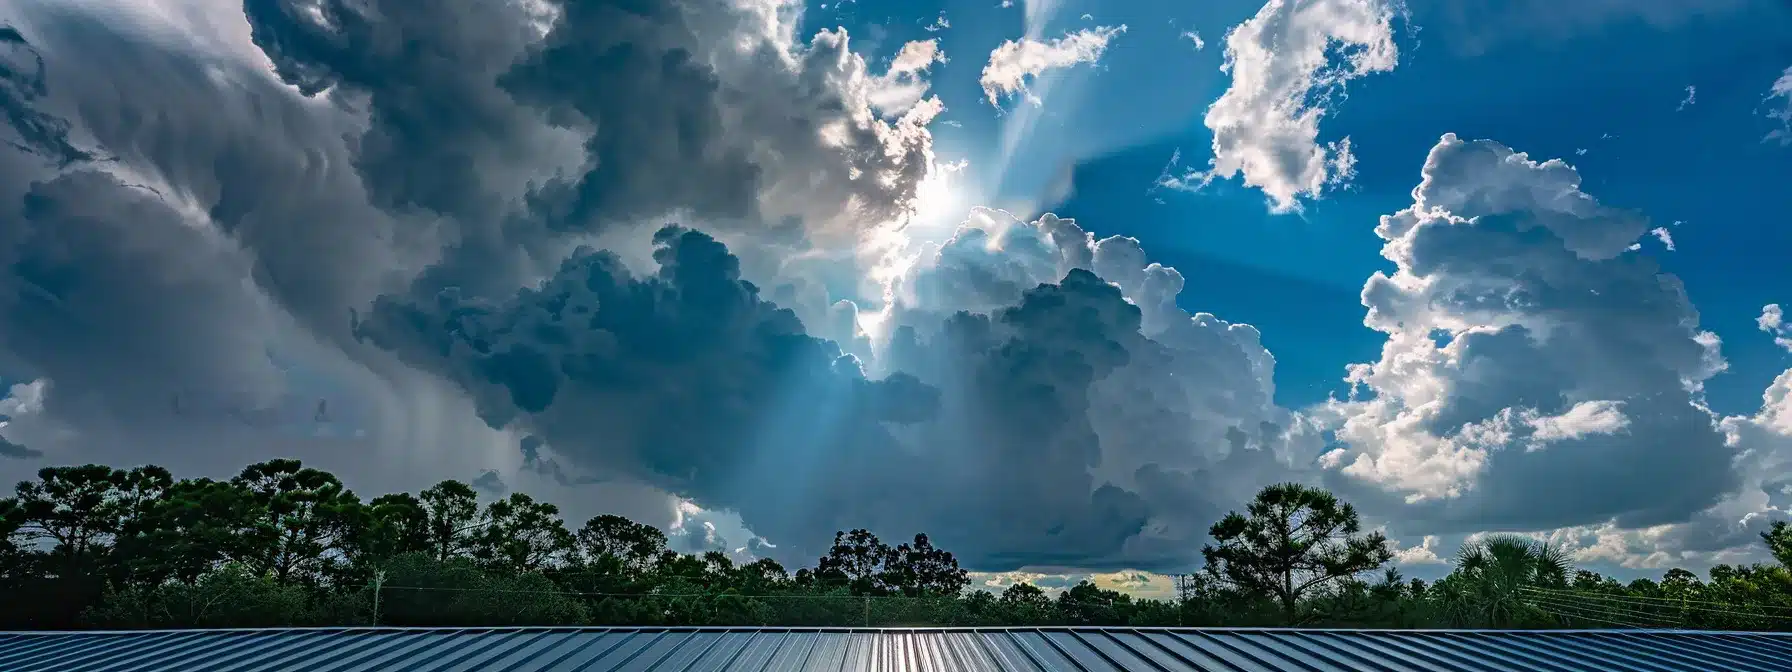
column 1184, row 587
column 379, row 579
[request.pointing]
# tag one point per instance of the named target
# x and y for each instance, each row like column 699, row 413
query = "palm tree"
column 1492, row 574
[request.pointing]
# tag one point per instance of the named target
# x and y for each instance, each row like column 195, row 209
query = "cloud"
column 904, row 86
column 449, row 220
column 490, row 482
column 1015, row 62
column 332, row 153
column 22, row 82
column 1782, row 110
column 1773, row 321
column 1692, row 94
column 23, row 399
column 1194, row 38
column 1423, row 554
column 1184, row 427
column 1536, row 374
column 1284, row 81
column 1662, row 234
column 1023, row 410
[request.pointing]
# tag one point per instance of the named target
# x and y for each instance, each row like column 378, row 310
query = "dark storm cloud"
column 690, row 380
column 656, row 102
column 490, row 482
column 115, row 297
column 685, row 379
column 427, row 72
column 1016, row 385
column 16, row 451
column 232, row 148
column 1184, row 426
column 22, row 83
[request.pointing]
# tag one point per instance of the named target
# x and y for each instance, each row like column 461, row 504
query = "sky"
column 1057, row 283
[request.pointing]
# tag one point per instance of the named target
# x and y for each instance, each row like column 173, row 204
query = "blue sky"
column 1542, row 84
column 237, row 202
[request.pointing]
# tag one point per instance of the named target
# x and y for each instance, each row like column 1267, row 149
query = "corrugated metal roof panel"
column 891, row 650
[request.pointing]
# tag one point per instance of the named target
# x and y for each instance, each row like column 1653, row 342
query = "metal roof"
column 893, row 650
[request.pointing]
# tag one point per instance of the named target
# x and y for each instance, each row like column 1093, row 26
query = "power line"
column 669, row 595
column 1587, row 618
column 1663, row 603
column 1667, row 600
column 1604, row 610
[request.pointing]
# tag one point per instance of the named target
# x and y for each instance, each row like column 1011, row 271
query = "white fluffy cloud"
column 1423, row 554
column 1773, row 321
column 1536, row 373
column 1284, row 80
column 1779, row 97
column 905, row 84
column 1016, row 62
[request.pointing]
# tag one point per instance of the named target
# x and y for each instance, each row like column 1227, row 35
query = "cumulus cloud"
column 1536, row 374
column 1195, row 39
column 23, row 399
column 1666, row 237
column 270, row 170
column 1773, row 321
column 795, row 438
column 1016, row 62
column 1423, row 554
column 1779, row 97
column 904, row 86
column 1285, row 79
column 1184, row 426
column 490, row 483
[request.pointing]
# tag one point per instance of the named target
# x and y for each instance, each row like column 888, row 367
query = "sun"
column 942, row 200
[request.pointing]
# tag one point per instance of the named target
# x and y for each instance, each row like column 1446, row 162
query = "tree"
column 634, row 545
column 1295, row 539
column 77, row 509
column 1088, row 604
column 1779, row 542
column 196, row 527
column 522, row 535
column 12, row 558
column 1025, row 604
column 920, row 569
column 856, row 559
column 452, row 511
column 390, row 526
column 1495, row 572
column 302, row 520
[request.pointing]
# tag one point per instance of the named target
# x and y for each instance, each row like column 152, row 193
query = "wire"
column 1664, row 603
column 642, row 595
column 1583, row 611
column 1664, row 600
column 1588, row 618
column 1653, row 619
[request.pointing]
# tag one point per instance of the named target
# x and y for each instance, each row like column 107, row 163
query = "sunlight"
column 941, row 202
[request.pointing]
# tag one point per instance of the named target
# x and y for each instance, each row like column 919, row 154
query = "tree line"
column 282, row 544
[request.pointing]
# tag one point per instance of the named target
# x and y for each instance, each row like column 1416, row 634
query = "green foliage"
column 1295, row 539
column 1498, row 580
column 282, row 544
